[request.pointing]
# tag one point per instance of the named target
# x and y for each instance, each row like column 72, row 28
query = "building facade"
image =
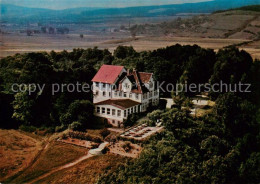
column 118, row 92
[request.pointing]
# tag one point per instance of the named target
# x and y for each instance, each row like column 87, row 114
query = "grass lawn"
column 55, row 155
column 87, row 171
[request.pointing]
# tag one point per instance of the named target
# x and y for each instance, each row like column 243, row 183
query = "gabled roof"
column 135, row 78
column 145, row 77
column 108, row 74
column 119, row 103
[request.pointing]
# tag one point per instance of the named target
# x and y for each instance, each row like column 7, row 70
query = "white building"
column 118, row 93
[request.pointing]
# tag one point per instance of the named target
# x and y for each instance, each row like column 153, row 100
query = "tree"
column 80, row 111
column 238, row 115
column 122, row 52
column 155, row 115
column 23, row 104
column 131, row 120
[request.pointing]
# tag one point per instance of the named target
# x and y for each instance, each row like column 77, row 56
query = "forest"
column 220, row 147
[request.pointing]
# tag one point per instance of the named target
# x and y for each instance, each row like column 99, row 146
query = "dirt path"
column 62, row 167
column 32, row 162
column 75, row 162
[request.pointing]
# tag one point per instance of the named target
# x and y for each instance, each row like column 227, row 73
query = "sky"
column 65, row 4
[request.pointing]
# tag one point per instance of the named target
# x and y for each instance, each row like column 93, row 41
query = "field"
column 26, row 158
column 215, row 31
column 17, row 151
column 86, row 171
column 55, row 155
column 13, row 44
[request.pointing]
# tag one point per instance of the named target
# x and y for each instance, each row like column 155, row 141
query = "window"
column 136, row 96
column 124, row 94
column 113, row 112
column 130, row 95
column 113, row 121
column 128, row 111
column 104, row 93
column 120, row 93
column 97, row 84
column 124, row 113
column 103, row 110
column 151, row 94
column 108, row 111
column 151, row 85
column 115, row 93
column 136, row 108
column 131, row 110
column 104, row 85
column 109, row 94
column 118, row 113
column 98, row 109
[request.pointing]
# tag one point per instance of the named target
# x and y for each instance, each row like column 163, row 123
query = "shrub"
column 127, row 146
column 60, row 128
column 104, row 133
column 64, row 136
column 27, row 128
column 83, row 136
column 131, row 120
column 155, row 115
column 148, row 122
column 75, row 126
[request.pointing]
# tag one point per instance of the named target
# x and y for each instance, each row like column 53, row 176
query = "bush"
column 60, row 128
column 155, row 115
column 84, row 136
column 127, row 146
column 27, row 128
column 75, row 126
column 104, row 133
column 105, row 150
column 131, row 120
column 148, row 122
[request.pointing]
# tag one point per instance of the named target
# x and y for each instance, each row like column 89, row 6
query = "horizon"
column 66, row 4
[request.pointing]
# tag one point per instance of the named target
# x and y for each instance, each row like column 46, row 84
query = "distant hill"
column 13, row 13
column 255, row 8
column 239, row 23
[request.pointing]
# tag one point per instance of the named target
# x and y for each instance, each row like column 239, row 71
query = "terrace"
column 141, row 132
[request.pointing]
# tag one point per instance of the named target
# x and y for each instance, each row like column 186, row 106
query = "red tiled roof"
column 145, row 77
column 108, row 74
column 135, row 78
column 120, row 103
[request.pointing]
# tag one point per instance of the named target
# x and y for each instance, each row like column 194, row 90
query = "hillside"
column 14, row 14
column 242, row 23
